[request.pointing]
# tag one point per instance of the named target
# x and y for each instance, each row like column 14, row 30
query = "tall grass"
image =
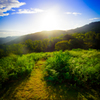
column 38, row 56
column 75, row 66
column 14, row 66
column 80, row 67
column 57, row 67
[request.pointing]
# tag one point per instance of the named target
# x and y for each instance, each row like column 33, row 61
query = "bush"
column 14, row 67
column 79, row 49
column 58, row 67
column 70, row 67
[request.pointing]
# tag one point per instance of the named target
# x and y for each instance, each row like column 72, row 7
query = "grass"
column 14, row 67
column 75, row 67
column 31, row 88
column 35, row 86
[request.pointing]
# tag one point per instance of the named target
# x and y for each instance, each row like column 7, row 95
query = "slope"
column 38, row 36
column 35, row 88
column 94, row 26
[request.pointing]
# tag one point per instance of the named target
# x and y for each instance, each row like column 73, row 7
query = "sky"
column 20, row 17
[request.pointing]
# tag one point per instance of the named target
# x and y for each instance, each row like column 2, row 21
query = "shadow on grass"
column 8, row 90
column 66, row 91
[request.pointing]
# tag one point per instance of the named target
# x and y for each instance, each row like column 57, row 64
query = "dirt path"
column 35, row 88
column 32, row 88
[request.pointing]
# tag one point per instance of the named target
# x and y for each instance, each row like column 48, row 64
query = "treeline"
column 63, row 42
column 29, row 46
column 79, row 40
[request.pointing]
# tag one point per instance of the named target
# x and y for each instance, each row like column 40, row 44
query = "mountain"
column 94, row 26
column 7, row 39
column 38, row 36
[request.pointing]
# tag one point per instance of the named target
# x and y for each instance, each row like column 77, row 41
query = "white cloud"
column 94, row 18
column 68, row 13
column 12, row 9
column 6, row 5
column 73, row 13
column 4, row 14
column 28, row 11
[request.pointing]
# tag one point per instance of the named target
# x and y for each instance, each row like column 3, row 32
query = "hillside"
column 7, row 39
column 94, row 26
column 38, row 36
column 69, row 75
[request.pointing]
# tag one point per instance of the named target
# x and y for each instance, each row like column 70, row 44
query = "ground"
column 34, row 87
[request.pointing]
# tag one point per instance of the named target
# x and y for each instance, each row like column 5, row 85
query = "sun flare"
column 49, row 21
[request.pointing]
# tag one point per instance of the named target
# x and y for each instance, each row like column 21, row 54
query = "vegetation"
column 81, row 67
column 14, row 67
column 36, row 69
column 64, row 42
column 73, row 74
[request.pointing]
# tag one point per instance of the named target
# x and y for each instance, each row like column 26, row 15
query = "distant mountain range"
column 94, row 26
column 7, row 39
column 37, row 36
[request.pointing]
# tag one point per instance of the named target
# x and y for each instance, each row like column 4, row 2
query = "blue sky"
column 19, row 17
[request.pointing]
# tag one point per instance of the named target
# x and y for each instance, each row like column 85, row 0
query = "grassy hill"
column 69, row 75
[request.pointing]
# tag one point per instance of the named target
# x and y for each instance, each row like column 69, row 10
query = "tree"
column 29, row 45
column 38, row 46
column 1, row 53
column 68, row 37
column 62, row 45
column 45, row 43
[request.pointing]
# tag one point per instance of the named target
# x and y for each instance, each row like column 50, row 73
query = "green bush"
column 13, row 67
column 75, row 67
column 79, row 49
column 17, row 66
column 58, row 67
column 37, row 56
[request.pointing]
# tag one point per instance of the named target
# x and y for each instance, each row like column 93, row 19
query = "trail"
column 35, row 88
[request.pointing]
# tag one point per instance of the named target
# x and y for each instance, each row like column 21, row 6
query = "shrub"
column 58, row 67
column 14, row 67
column 80, row 67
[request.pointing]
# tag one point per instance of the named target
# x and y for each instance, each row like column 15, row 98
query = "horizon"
column 48, row 31
column 21, row 17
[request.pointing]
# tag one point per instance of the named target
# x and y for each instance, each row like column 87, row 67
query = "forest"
column 63, row 42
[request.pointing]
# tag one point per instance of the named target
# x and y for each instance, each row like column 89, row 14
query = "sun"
column 49, row 21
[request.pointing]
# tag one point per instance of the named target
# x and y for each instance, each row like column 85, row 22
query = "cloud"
column 28, row 11
column 12, row 9
column 7, row 33
column 68, row 13
column 94, row 18
column 73, row 13
column 6, row 5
